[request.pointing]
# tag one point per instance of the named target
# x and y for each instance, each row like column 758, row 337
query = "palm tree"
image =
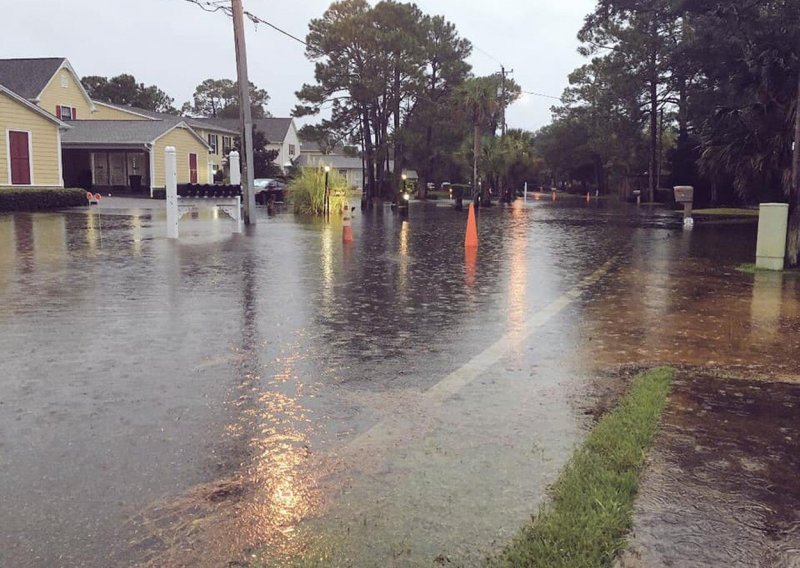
column 477, row 99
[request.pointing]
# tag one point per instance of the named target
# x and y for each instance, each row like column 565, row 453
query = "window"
column 213, row 141
column 64, row 80
column 291, row 149
column 64, row 112
column 227, row 145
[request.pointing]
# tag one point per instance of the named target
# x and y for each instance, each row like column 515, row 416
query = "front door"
column 192, row 168
column 20, row 157
column 116, row 169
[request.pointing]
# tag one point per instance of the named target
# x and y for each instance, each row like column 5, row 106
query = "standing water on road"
column 280, row 395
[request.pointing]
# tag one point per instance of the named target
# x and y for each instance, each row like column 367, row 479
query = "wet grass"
column 590, row 515
column 751, row 268
column 727, row 212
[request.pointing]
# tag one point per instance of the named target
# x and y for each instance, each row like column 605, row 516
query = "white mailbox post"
column 171, row 170
column 225, row 199
column 235, row 167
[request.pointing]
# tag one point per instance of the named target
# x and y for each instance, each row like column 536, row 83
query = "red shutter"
column 192, row 168
column 74, row 113
column 20, row 158
column 58, row 112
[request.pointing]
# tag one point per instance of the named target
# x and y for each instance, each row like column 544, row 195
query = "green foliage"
column 380, row 69
column 219, row 98
column 593, row 498
column 125, row 90
column 306, row 191
column 36, row 199
column 264, row 165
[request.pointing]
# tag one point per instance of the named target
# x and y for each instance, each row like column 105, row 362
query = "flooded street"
column 278, row 397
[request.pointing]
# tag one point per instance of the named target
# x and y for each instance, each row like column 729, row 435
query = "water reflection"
column 518, row 271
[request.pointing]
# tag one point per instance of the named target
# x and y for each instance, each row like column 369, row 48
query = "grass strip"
column 586, row 524
column 751, row 268
column 727, row 212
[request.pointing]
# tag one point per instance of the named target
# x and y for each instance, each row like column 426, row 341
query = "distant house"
column 281, row 134
column 337, row 158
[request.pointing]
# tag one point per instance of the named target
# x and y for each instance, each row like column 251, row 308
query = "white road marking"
column 458, row 379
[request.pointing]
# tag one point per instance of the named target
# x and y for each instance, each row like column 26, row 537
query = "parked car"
column 269, row 190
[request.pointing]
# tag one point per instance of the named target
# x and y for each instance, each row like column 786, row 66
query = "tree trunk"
column 653, row 68
column 793, row 236
column 369, row 150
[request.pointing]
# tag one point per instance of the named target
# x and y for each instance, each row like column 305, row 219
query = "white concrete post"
column 773, row 221
column 171, row 170
column 235, row 167
column 525, row 193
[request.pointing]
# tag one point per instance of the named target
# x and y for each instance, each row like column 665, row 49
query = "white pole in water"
column 235, row 167
column 171, row 170
column 525, row 193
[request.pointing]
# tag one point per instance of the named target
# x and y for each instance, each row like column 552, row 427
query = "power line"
column 541, row 95
column 222, row 6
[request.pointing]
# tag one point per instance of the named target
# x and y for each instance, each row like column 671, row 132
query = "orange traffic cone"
column 471, row 239
column 347, row 227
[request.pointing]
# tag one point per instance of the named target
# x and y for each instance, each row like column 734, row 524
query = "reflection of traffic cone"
column 471, row 239
column 470, row 260
column 347, row 227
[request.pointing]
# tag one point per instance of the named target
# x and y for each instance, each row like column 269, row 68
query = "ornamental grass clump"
column 306, row 192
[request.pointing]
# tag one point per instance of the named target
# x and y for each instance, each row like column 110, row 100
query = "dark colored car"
column 268, row 190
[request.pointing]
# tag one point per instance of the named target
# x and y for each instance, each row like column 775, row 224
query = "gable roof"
column 121, row 132
column 29, row 105
column 29, row 77
column 274, row 128
column 129, row 109
column 155, row 115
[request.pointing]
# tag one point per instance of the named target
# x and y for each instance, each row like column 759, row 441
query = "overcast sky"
column 175, row 45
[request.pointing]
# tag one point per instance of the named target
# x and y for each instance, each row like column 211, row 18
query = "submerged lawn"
column 587, row 522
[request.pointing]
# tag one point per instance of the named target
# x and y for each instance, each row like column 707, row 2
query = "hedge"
column 37, row 199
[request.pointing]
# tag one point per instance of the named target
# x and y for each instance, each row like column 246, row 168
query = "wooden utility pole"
column 245, row 114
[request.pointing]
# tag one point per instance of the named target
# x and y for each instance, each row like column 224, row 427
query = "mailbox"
column 684, row 193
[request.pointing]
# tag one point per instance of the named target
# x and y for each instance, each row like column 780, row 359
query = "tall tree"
column 481, row 101
column 219, row 98
column 643, row 34
column 373, row 65
column 125, row 90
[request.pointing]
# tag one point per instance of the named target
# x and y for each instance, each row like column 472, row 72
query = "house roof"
column 119, row 132
column 274, row 128
column 28, row 77
column 29, row 105
column 336, row 161
column 208, row 124
column 339, row 162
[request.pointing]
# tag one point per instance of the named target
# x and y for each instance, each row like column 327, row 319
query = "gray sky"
column 175, row 45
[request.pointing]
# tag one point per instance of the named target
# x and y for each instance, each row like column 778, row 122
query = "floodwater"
column 721, row 487
column 279, row 397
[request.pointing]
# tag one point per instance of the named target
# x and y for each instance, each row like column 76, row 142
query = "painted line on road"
column 480, row 363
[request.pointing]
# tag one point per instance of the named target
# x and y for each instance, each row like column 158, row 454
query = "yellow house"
column 103, row 146
column 30, row 143
column 220, row 139
column 114, row 154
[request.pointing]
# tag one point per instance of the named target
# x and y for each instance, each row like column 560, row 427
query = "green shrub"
column 306, row 192
column 159, row 193
column 37, row 199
